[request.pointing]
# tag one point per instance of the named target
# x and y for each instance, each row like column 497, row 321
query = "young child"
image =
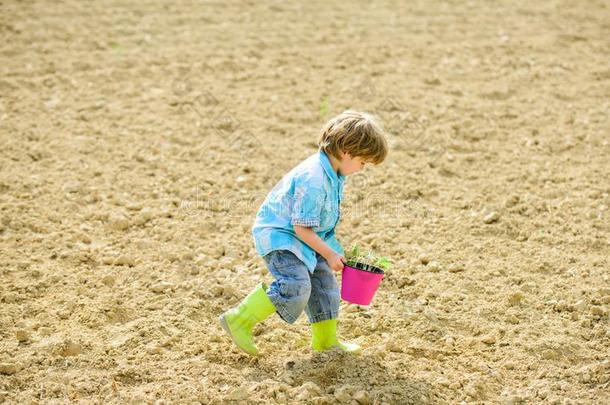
column 294, row 232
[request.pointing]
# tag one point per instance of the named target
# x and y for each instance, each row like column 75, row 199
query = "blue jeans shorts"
column 296, row 289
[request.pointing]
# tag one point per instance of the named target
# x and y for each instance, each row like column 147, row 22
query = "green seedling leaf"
column 383, row 263
column 354, row 252
column 115, row 46
column 370, row 259
column 324, row 107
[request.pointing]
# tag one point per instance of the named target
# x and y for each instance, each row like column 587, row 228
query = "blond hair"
column 355, row 133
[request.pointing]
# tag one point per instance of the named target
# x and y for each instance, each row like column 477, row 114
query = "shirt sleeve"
column 307, row 204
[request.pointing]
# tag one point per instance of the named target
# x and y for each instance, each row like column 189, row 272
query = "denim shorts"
column 296, row 289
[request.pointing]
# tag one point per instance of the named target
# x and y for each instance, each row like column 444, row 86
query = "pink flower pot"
column 359, row 283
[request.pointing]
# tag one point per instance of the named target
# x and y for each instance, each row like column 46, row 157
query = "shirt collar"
column 328, row 168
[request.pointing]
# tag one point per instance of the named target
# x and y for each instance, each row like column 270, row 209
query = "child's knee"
column 295, row 289
column 295, row 294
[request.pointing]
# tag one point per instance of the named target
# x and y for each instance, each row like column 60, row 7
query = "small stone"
column 549, row 354
column 405, row 281
column 511, row 201
column 455, row 268
column 72, row 187
column 597, row 311
column 393, row 346
column 69, row 348
column 133, row 206
column 161, row 287
column 118, row 222
column 560, row 306
column 217, row 290
column 471, row 391
column 513, row 319
column 108, row 260
column 83, row 237
column 139, row 400
column 187, row 256
column 515, row 298
column 424, row 258
column 580, row 306
column 44, row 331
column 513, row 399
column 8, row 368
column 510, row 365
column 343, row 395
column 308, row 390
column 489, row 339
column 362, row 397
column 238, row 394
column 491, row 217
column 108, row 280
column 145, row 215
column 153, row 349
column 124, row 260
column 433, row 267
column 22, row 335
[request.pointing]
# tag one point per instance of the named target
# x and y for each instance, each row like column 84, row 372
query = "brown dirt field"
column 139, row 138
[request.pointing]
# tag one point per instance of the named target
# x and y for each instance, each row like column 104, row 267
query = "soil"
column 138, row 139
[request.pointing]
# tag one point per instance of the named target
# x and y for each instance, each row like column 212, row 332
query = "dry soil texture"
column 138, row 139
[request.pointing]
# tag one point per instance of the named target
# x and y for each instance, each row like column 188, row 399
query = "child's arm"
column 307, row 235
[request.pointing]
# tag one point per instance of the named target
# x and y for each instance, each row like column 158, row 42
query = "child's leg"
column 325, row 296
column 239, row 321
column 290, row 290
column 323, row 310
column 287, row 295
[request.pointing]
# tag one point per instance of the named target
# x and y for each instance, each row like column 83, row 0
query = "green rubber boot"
column 325, row 337
column 239, row 321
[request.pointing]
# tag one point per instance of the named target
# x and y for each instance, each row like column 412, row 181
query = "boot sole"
column 225, row 326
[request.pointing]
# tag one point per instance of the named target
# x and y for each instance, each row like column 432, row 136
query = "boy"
column 294, row 232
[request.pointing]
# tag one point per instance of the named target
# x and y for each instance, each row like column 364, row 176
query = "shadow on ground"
column 345, row 377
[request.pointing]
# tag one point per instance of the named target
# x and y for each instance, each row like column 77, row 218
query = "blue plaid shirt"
column 309, row 195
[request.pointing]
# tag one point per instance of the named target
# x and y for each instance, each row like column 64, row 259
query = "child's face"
column 350, row 165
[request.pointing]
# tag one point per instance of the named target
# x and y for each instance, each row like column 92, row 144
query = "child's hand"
column 335, row 262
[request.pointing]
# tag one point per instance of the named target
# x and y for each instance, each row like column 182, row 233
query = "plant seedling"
column 367, row 262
